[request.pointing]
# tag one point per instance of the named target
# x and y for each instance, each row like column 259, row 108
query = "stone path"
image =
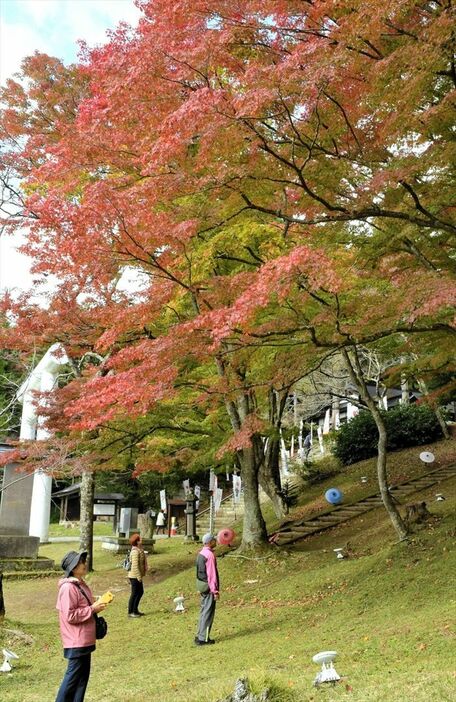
column 301, row 528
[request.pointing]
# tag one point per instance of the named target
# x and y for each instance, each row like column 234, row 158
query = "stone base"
column 14, row 546
column 120, row 544
column 10, row 565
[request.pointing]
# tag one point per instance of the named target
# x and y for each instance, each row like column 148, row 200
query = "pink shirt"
column 77, row 623
column 211, row 569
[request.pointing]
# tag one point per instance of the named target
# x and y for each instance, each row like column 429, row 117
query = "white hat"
column 207, row 538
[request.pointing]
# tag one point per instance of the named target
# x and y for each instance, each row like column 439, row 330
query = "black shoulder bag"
column 101, row 625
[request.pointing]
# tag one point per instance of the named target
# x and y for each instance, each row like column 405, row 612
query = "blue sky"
column 53, row 27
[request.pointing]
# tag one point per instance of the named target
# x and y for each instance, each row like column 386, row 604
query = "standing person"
column 207, row 584
column 307, row 445
column 77, row 626
column 136, row 573
column 160, row 522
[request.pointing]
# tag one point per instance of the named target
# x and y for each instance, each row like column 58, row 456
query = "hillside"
column 388, row 610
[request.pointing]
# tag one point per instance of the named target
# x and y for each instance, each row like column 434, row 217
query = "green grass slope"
column 388, row 610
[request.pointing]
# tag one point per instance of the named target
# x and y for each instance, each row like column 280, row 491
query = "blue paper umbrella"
column 334, row 496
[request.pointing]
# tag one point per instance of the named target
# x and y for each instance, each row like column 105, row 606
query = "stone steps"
column 227, row 516
column 300, row 529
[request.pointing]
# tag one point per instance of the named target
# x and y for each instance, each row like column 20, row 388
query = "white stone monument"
column 42, row 378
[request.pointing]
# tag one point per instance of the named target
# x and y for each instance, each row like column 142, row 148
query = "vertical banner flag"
column 284, row 456
column 326, row 422
column 186, row 486
column 237, row 485
column 197, row 495
column 212, row 479
column 320, row 439
column 163, row 504
column 218, row 498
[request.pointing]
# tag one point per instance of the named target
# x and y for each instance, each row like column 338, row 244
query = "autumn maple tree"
column 280, row 172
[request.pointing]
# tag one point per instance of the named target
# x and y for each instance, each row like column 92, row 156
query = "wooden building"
column 106, row 505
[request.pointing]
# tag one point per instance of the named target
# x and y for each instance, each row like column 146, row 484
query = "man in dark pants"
column 207, row 583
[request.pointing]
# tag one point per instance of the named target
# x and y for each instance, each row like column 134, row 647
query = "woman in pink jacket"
column 77, row 626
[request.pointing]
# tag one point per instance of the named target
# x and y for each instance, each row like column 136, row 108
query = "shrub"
column 316, row 471
column 410, row 425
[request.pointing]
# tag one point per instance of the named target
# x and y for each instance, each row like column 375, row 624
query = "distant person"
column 138, row 567
column 207, row 584
column 160, row 522
column 77, row 626
column 307, row 445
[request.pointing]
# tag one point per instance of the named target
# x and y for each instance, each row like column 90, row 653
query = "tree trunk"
column 254, row 534
column 269, row 477
column 356, row 374
column 437, row 411
column 2, row 601
column 382, row 475
column 335, row 413
column 405, row 394
column 86, row 518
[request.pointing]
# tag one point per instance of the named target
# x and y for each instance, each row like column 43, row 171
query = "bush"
column 316, row 471
column 410, row 425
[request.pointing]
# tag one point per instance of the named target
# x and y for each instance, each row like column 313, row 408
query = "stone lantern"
column 190, row 517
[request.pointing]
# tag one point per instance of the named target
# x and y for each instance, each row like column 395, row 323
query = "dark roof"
column 75, row 489
column 6, row 447
column 391, row 394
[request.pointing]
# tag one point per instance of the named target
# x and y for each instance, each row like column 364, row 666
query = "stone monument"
column 16, row 498
column 26, row 499
column 18, row 550
column 130, row 522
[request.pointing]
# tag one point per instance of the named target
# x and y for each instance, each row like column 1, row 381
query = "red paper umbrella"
column 225, row 536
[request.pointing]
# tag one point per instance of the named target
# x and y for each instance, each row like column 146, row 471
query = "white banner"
column 186, row 486
column 163, row 504
column 320, row 439
column 237, row 486
column 284, row 457
column 212, row 481
column 326, row 422
column 197, row 495
column 218, row 499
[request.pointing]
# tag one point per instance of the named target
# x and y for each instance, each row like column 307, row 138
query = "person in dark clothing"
column 307, row 445
column 207, row 584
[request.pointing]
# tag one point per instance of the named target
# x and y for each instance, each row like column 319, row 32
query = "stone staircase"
column 294, row 531
column 226, row 516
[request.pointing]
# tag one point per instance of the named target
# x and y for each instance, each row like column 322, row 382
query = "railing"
column 208, row 509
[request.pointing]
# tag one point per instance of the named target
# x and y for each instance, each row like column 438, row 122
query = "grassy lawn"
column 99, row 529
column 388, row 610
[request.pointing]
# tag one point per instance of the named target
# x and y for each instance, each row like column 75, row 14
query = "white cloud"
column 55, row 26
column 14, row 266
column 16, row 42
